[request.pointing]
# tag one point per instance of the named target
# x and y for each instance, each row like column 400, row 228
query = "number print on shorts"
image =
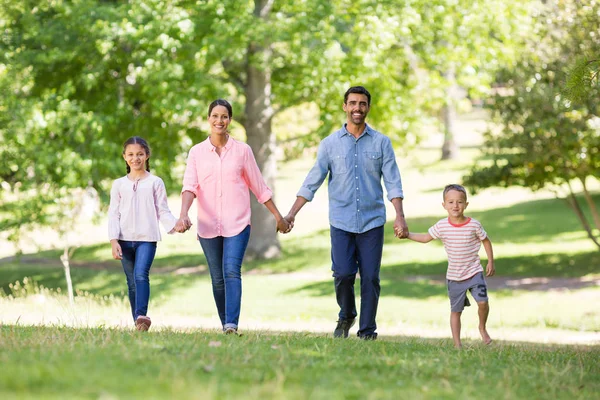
column 482, row 291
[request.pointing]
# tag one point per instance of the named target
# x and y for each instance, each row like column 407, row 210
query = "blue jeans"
column 224, row 256
column 137, row 260
column 352, row 253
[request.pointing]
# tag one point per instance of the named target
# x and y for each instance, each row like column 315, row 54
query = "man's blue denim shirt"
column 355, row 168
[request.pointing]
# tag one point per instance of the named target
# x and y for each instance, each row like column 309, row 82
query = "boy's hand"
column 490, row 270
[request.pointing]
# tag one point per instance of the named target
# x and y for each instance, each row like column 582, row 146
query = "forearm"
column 297, row 206
column 420, row 237
column 273, row 209
column 487, row 245
column 187, row 198
column 397, row 202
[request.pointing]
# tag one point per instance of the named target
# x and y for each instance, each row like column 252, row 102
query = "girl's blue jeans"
column 137, row 260
column 224, row 256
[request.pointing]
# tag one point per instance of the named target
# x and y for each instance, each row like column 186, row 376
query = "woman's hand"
column 283, row 226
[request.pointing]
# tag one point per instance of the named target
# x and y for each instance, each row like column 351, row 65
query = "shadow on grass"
column 424, row 280
column 105, row 281
column 533, row 221
column 544, row 265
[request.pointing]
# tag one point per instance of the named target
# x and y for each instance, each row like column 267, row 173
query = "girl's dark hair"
column 221, row 102
column 141, row 142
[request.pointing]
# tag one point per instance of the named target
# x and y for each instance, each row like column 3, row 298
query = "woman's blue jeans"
column 224, row 256
column 137, row 260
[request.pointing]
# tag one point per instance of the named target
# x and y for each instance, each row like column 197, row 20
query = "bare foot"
column 484, row 335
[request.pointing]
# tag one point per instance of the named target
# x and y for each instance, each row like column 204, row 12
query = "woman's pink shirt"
column 221, row 185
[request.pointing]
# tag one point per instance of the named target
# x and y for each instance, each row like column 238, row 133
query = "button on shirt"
column 355, row 168
column 136, row 207
column 221, row 187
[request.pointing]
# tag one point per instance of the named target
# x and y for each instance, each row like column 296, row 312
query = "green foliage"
column 582, row 78
column 542, row 139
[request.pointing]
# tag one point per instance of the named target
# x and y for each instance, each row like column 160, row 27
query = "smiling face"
column 356, row 108
column 219, row 120
column 135, row 156
column 455, row 203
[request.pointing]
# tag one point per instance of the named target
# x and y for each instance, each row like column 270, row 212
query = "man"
column 356, row 157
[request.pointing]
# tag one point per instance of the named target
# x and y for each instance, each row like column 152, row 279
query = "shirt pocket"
column 373, row 161
column 338, row 164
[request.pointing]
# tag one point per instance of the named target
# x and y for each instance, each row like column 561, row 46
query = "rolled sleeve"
column 190, row 177
column 390, row 172
column 316, row 175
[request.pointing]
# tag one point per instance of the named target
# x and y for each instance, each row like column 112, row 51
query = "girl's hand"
column 117, row 253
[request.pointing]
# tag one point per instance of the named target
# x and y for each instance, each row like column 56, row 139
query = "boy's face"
column 455, row 203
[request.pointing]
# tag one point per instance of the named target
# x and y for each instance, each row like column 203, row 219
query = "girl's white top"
column 136, row 207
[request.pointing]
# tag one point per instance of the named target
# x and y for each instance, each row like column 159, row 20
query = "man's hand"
column 400, row 228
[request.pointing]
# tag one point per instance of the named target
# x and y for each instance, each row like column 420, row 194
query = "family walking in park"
column 220, row 173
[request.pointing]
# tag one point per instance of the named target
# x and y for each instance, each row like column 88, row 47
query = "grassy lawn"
column 50, row 362
column 544, row 318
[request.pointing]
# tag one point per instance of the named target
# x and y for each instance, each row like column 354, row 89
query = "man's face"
column 356, row 108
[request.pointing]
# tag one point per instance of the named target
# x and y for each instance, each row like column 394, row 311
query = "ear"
column 444, row 204
column 344, row 106
column 124, row 158
column 466, row 204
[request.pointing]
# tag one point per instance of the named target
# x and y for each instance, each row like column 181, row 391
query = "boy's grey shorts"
column 457, row 291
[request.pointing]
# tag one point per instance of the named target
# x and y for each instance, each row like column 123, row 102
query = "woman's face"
column 219, row 120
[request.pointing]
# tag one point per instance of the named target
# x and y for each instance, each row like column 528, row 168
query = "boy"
column 462, row 237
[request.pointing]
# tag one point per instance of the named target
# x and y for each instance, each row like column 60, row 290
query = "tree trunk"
column 450, row 150
column 258, row 116
column 577, row 208
column 66, row 258
column 591, row 205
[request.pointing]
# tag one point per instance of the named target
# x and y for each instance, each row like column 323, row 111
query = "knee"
column 142, row 276
column 483, row 305
column 345, row 278
column 233, row 272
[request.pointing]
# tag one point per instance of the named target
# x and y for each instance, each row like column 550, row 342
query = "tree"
column 544, row 140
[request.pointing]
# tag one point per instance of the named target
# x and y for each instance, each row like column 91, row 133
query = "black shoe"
column 371, row 336
column 343, row 327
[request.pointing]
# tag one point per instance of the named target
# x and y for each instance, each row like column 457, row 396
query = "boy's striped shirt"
column 462, row 244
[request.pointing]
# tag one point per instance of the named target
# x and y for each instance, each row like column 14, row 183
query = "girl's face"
column 135, row 156
column 219, row 120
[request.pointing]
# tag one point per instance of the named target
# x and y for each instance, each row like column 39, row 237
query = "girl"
column 219, row 172
column 137, row 202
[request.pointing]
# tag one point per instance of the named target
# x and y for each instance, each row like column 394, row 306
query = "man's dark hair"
column 359, row 90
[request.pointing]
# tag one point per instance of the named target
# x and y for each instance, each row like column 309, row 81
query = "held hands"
column 183, row 224
column 400, row 228
column 284, row 226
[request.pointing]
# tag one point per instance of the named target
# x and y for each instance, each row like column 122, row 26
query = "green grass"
column 48, row 362
column 52, row 349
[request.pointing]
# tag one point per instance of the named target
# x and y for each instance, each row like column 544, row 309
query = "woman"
column 219, row 172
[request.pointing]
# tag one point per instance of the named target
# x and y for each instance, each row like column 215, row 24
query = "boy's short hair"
column 454, row 186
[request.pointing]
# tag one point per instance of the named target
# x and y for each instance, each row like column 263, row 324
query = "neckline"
column 459, row 225
column 148, row 174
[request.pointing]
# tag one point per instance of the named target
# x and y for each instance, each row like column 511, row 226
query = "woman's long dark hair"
column 142, row 142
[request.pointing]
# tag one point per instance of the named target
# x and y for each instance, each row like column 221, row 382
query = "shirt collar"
column 368, row 130
column 226, row 147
